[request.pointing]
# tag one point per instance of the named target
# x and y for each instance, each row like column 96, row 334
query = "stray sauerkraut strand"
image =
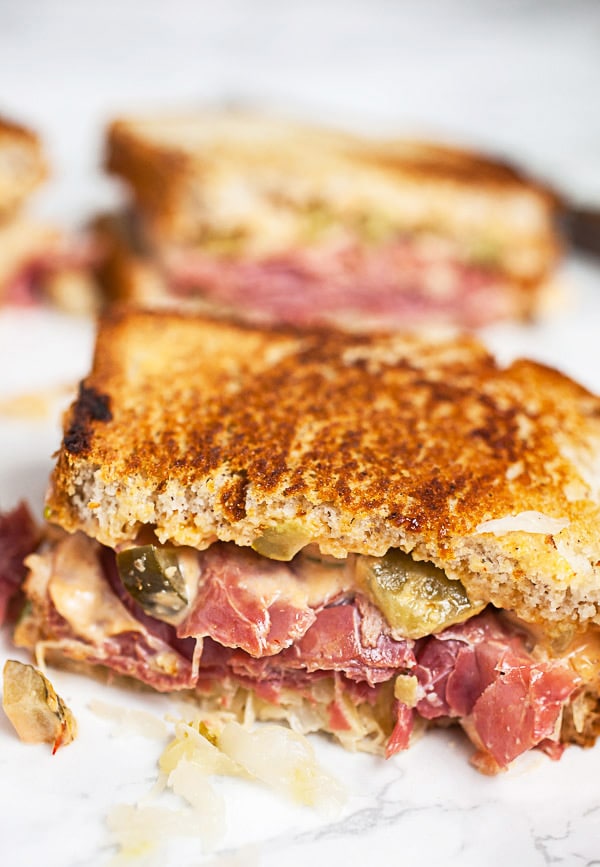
column 129, row 721
column 282, row 759
column 277, row 756
column 214, row 744
column 524, row 522
column 190, row 782
column 141, row 831
column 195, row 742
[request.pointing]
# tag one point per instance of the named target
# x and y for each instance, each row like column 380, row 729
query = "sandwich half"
column 368, row 534
column 285, row 223
column 38, row 260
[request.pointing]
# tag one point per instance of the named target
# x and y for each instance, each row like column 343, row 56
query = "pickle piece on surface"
column 151, row 575
column 416, row 598
column 282, row 542
column 37, row 713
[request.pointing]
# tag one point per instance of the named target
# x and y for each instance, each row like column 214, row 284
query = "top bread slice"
column 208, row 430
column 22, row 166
column 216, row 177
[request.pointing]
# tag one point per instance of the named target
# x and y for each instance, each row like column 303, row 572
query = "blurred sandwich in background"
column 22, row 166
column 38, row 261
column 280, row 222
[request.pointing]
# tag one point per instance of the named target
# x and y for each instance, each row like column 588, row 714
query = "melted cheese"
column 189, row 568
column 313, row 582
column 81, row 594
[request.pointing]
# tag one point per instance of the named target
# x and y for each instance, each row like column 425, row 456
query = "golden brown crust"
column 155, row 173
column 22, row 165
column 222, row 430
column 11, row 129
column 456, row 164
column 142, row 160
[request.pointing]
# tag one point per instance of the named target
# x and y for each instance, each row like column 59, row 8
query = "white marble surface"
column 521, row 78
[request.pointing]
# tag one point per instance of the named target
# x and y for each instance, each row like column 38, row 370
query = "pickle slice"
column 416, row 598
column 151, row 575
column 282, row 542
column 30, row 702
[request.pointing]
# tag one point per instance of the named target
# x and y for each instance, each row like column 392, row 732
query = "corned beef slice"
column 251, row 623
column 19, row 536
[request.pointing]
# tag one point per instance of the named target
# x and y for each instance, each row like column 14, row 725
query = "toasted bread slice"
column 208, row 430
column 245, row 184
column 22, row 165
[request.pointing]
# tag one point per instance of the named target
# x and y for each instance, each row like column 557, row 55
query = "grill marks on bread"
column 364, row 423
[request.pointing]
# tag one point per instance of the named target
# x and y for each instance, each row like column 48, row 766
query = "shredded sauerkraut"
column 526, row 522
column 128, row 720
column 211, row 743
column 368, row 726
column 140, row 830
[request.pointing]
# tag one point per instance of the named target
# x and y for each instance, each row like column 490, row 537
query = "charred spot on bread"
column 90, row 406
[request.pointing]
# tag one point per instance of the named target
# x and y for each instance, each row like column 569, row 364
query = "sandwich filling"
column 403, row 279
column 339, row 277
column 368, row 649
